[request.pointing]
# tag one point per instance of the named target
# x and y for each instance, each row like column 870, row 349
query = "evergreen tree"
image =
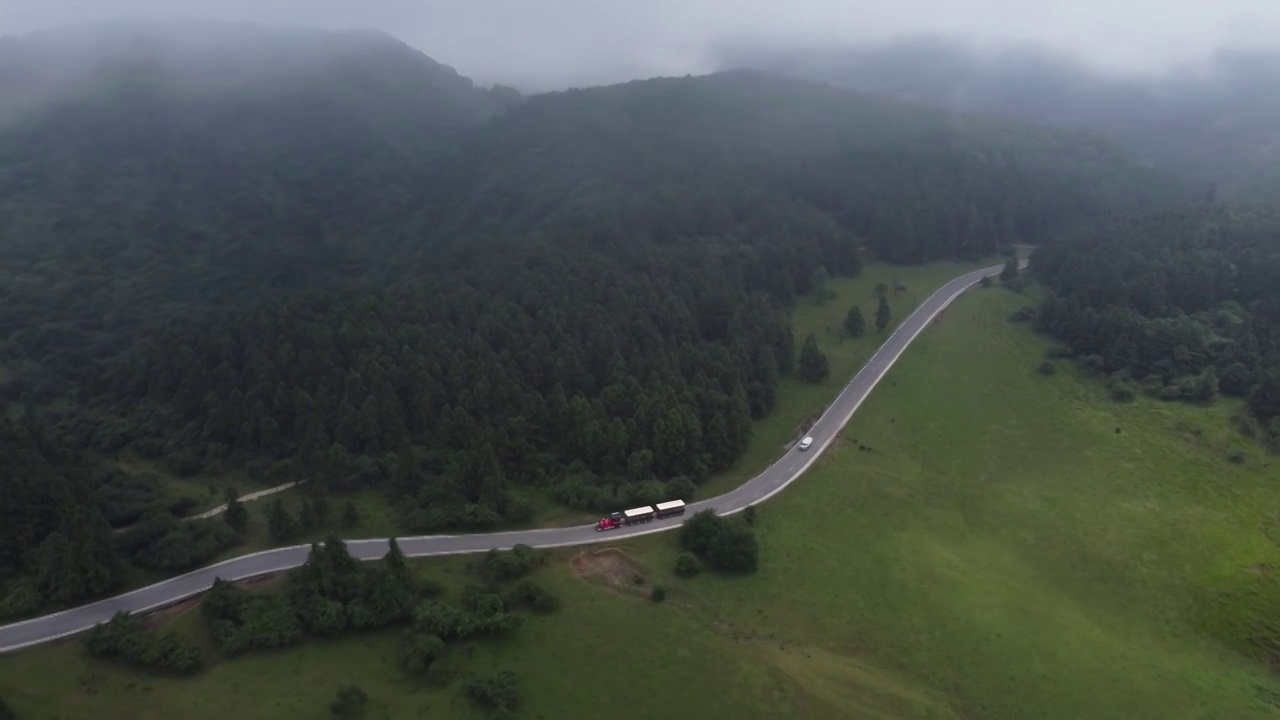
column 882, row 314
column 1264, row 402
column 395, row 562
column 350, row 515
column 236, row 514
column 408, row 471
column 819, row 292
column 280, row 524
column 321, row 505
column 1010, row 270
column 307, row 519
column 854, row 324
column 813, row 364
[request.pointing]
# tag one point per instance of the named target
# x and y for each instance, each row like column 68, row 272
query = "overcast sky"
column 541, row 44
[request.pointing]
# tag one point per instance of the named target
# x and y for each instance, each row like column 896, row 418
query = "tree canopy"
column 1185, row 303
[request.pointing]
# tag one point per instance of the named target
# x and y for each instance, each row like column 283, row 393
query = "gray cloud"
column 538, row 44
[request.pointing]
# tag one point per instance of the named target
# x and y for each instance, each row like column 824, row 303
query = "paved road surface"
column 762, row 487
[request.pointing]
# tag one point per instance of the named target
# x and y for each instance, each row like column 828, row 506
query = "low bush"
column 725, row 543
column 1120, row 390
column 183, row 506
column 500, row 566
column 532, row 596
column 419, row 651
column 687, row 565
column 495, row 692
column 125, row 638
column 349, row 703
column 1026, row 313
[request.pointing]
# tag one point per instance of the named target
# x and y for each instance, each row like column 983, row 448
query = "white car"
column 806, row 442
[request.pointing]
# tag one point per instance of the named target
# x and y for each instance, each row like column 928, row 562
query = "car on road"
column 806, row 442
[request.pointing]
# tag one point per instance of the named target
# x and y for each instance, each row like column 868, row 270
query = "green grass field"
column 1015, row 546
column 800, row 401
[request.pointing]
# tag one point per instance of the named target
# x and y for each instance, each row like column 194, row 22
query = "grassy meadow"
column 1014, row 546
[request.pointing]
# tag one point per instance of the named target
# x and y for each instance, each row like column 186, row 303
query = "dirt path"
column 246, row 498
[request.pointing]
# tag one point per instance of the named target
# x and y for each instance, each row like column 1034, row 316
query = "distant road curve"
column 764, row 486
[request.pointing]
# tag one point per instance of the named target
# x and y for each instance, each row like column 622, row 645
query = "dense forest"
column 1180, row 304
column 352, row 266
column 608, row 384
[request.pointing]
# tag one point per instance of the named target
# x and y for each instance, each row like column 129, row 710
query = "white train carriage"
column 670, row 508
column 638, row 515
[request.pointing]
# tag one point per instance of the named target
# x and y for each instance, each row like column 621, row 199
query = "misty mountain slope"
column 151, row 172
column 154, row 171
column 352, row 268
column 1220, row 123
column 210, row 57
column 694, row 156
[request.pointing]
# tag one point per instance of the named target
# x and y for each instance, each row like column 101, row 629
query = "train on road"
column 644, row 514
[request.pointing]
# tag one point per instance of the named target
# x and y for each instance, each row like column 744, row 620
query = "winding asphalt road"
column 761, row 488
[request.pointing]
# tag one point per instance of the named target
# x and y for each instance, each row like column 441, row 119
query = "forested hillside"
column 161, row 172
column 1184, row 304
column 607, row 384
column 1215, row 123
column 330, row 258
column 685, row 157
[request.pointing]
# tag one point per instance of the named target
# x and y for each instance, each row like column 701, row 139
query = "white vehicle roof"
column 670, row 505
column 638, row 511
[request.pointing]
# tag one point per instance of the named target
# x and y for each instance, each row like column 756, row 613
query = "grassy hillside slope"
column 1015, row 546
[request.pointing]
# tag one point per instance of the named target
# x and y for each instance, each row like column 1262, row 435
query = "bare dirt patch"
column 258, row 583
column 1259, row 569
column 613, row 568
column 164, row 615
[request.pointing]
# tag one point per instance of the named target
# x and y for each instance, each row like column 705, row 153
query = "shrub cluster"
column 125, row 638
column 724, row 543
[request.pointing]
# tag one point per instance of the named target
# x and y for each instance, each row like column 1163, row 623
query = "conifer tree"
column 280, row 524
column 854, row 324
column 307, row 516
column 236, row 515
column 1010, row 270
column 350, row 515
column 813, row 364
column 882, row 314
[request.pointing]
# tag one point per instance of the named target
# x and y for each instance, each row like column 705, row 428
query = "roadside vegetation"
column 1017, row 545
column 157, row 536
